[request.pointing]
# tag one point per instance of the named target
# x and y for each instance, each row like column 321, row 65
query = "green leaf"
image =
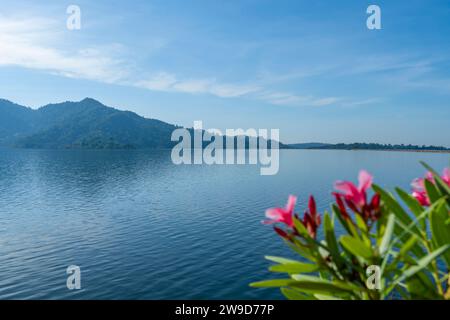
column 331, row 241
column 385, row 242
column 440, row 230
column 356, row 247
column 293, row 294
column 393, row 206
column 322, row 287
column 440, row 184
column 408, row 245
column 325, row 297
column 346, row 223
column 412, row 204
column 404, row 221
column 421, row 264
column 295, row 267
column 301, row 228
column 360, row 223
column 432, row 192
column 420, row 287
column 275, row 283
column 301, row 249
column 280, row 259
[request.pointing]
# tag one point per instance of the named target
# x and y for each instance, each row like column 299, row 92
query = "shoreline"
column 310, row 149
column 389, row 150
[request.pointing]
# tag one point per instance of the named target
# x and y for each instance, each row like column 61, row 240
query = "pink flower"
column 372, row 211
column 446, row 176
column 418, row 186
column 422, row 197
column 355, row 198
column 283, row 215
column 341, row 205
column 355, row 195
column 311, row 219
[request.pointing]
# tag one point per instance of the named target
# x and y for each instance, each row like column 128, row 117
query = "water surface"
column 141, row 227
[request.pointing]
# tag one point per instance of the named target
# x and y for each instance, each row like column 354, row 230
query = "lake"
column 141, row 227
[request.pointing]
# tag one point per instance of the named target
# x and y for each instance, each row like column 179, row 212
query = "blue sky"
column 310, row 68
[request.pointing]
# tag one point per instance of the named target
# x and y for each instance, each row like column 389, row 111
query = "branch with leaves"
column 405, row 238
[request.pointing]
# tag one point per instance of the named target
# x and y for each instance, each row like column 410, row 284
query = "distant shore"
column 369, row 146
column 389, row 150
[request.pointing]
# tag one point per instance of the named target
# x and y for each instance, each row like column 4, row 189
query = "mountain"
column 90, row 124
column 15, row 121
column 84, row 124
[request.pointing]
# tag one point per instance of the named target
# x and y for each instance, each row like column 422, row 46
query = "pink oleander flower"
column 422, row 197
column 355, row 197
column 341, row 205
column 311, row 219
column 283, row 215
column 418, row 186
column 446, row 176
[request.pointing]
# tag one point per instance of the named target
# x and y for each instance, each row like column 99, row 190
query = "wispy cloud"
column 358, row 103
column 33, row 43
column 168, row 82
column 28, row 43
column 289, row 99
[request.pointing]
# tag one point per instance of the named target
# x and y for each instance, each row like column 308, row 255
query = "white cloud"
column 28, row 43
column 230, row 90
column 280, row 98
column 364, row 102
column 37, row 43
column 168, row 82
column 162, row 81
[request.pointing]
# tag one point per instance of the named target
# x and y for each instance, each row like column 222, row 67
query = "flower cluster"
column 311, row 219
column 355, row 197
column 377, row 228
column 418, row 186
column 349, row 196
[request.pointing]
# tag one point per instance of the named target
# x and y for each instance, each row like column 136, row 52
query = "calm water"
column 142, row 228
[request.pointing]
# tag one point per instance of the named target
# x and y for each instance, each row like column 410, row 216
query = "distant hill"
column 86, row 124
column 308, row 145
column 366, row 146
column 89, row 124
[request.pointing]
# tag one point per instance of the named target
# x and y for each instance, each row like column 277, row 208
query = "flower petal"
column 275, row 213
column 346, row 187
column 446, row 176
column 418, row 184
column 312, row 206
column 292, row 200
column 281, row 233
column 365, row 180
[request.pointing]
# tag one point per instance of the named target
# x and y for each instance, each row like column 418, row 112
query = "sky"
column 311, row 69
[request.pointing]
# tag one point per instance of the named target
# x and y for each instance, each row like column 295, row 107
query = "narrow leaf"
column 356, row 247
column 385, row 242
column 296, row 267
column 275, row 283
